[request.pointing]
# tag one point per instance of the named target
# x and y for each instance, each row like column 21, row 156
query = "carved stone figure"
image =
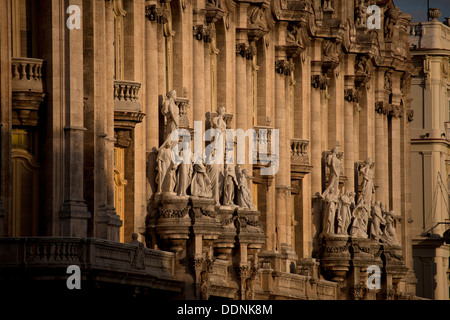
column 335, row 164
column 360, row 220
column 327, row 6
column 171, row 114
column 244, row 197
column 218, row 122
column 329, row 216
column 376, row 221
column 201, row 185
column 229, row 185
column 361, row 14
column 216, row 176
column 345, row 213
column 389, row 236
column 184, row 177
column 367, row 185
column 166, row 177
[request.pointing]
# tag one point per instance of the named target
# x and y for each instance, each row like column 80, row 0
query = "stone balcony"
column 299, row 158
column 127, row 110
column 44, row 261
column 27, row 90
column 263, row 138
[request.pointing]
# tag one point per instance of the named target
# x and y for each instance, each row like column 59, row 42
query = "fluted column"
column 74, row 214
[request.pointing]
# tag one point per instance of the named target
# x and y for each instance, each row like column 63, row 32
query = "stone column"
column 349, row 158
column 74, row 214
column 198, row 96
column 151, row 102
column 380, row 156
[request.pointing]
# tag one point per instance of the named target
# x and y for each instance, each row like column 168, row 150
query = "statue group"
column 364, row 219
column 225, row 183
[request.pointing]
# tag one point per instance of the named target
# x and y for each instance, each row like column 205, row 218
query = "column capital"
column 319, row 81
column 283, row 66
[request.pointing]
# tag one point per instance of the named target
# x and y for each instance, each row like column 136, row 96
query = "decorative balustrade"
column 299, row 151
column 264, row 137
column 27, row 74
column 126, row 95
column 90, row 253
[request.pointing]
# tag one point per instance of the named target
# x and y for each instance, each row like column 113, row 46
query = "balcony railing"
column 126, row 95
column 27, row 74
column 299, row 151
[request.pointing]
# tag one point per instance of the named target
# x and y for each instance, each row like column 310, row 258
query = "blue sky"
column 418, row 8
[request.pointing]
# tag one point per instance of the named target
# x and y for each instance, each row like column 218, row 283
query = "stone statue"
column 367, row 185
column 229, row 185
column 171, row 114
column 329, row 216
column 345, row 214
column 201, row 185
column 376, row 221
column 389, row 236
column 244, row 197
column 335, row 165
column 184, row 177
column 166, row 177
column 361, row 14
column 360, row 220
column 216, row 176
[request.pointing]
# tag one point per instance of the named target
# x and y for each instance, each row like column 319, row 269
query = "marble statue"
column 347, row 200
column 166, row 177
column 230, row 184
column 184, row 177
column 329, row 217
column 368, row 188
column 218, row 122
column 360, row 220
column 389, row 236
column 335, row 164
column 216, row 176
column 244, row 197
column 201, row 185
column 171, row 114
column 376, row 222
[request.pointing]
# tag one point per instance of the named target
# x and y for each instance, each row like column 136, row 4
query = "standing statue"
column 171, row 114
column 166, row 177
column 218, row 122
column 329, row 217
column 184, row 177
column 201, row 185
column 389, row 236
column 216, row 176
column 244, row 197
column 360, row 220
column 335, row 164
column 367, row 185
column 229, row 185
column 376, row 222
column 347, row 200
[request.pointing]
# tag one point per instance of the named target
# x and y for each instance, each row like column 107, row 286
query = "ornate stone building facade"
column 430, row 50
column 86, row 172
